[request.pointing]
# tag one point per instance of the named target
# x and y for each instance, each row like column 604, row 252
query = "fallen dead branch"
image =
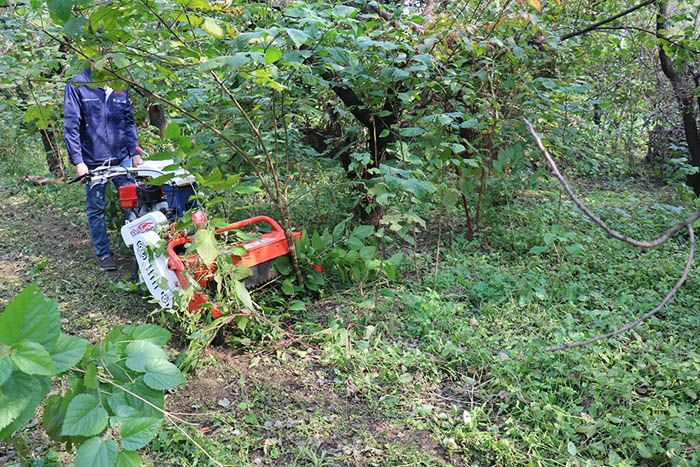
column 661, row 239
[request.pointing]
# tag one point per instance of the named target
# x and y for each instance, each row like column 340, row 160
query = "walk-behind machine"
column 151, row 210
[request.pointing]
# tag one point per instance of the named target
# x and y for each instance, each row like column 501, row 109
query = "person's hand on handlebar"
column 82, row 169
column 136, row 159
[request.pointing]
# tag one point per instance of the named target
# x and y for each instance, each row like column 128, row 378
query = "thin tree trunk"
column 683, row 90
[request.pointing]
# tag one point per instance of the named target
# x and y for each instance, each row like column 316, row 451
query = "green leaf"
column 150, row 332
column 52, row 419
column 242, row 322
column 67, row 352
column 272, row 54
column 127, row 459
column 96, row 453
column 205, row 243
column 211, row 27
column 411, row 132
column 138, row 432
column 40, row 114
column 232, row 62
column 90, row 376
column 287, row 287
column 30, row 317
column 363, row 231
column 419, row 188
column 405, row 378
column 84, row 417
column 339, row 230
column 354, row 243
column 60, row 8
column 20, row 394
column 575, row 249
column 571, row 447
column 172, row 131
column 644, row 451
column 535, row 250
column 120, row 399
column 296, row 305
column 297, row 36
column 161, row 374
column 5, row 369
column 283, row 265
column 243, row 295
column 141, row 352
column 32, row 358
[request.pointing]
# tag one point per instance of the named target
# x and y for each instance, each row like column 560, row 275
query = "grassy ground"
column 435, row 370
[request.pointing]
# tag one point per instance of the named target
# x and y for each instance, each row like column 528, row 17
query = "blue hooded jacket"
column 98, row 127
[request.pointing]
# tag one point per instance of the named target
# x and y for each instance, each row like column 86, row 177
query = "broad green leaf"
column 32, row 358
column 60, row 8
column 161, row 374
column 138, row 432
column 232, row 62
column 205, row 243
column 419, row 188
column 242, row 322
column 127, row 459
column 296, row 305
column 19, row 397
column 243, row 295
column 39, row 114
column 73, row 26
column 287, row 287
column 84, row 417
column 96, row 453
column 150, row 332
column 363, row 231
column 120, row 399
column 316, row 242
column 52, row 419
column 272, row 54
column 212, row 27
column 172, row 131
column 30, row 317
column 535, row 250
column 5, row 369
column 90, row 376
column 411, row 132
column 67, row 351
column 283, row 265
column 355, row 243
column 297, row 36
column 197, row 4
column 139, row 353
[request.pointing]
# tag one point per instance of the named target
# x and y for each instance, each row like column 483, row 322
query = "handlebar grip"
column 79, row 177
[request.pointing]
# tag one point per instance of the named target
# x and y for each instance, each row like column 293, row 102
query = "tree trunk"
column 683, row 90
column 53, row 156
column 156, row 118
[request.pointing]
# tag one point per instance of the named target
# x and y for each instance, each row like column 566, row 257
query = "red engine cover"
column 127, row 196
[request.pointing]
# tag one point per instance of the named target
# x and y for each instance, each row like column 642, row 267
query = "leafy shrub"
column 112, row 404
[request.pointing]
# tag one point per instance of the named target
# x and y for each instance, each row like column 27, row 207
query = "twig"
column 606, row 21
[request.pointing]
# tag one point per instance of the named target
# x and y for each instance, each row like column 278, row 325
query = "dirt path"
column 284, row 408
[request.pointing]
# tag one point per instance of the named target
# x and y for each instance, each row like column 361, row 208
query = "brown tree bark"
column 683, row 90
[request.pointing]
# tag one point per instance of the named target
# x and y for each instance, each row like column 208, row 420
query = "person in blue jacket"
column 98, row 126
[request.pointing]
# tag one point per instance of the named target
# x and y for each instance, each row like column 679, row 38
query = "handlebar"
column 103, row 174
